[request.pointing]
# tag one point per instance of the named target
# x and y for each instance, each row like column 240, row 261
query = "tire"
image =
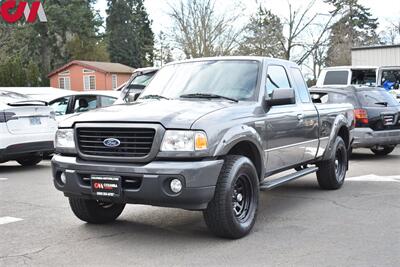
column 382, row 150
column 332, row 173
column 95, row 212
column 30, row 161
column 237, row 187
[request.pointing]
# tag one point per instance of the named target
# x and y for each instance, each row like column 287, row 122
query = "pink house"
column 81, row 75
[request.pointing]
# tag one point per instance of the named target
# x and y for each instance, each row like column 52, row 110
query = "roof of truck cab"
column 351, row 67
column 256, row 58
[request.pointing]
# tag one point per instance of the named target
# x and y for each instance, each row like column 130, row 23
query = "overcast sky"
column 384, row 10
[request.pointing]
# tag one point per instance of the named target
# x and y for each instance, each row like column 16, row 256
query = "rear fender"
column 340, row 121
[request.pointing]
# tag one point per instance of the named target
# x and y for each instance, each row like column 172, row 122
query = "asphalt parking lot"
column 297, row 225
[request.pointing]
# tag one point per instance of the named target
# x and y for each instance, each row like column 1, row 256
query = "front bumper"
column 366, row 137
column 152, row 181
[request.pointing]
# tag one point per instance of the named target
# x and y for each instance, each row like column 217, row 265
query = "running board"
column 267, row 185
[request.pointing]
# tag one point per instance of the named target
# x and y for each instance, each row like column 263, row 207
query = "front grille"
column 134, row 142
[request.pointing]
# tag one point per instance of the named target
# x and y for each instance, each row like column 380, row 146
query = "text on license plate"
column 107, row 186
column 35, row 121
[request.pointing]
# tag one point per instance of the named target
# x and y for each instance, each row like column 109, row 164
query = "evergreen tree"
column 356, row 27
column 263, row 35
column 129, row 35
column 49, row 44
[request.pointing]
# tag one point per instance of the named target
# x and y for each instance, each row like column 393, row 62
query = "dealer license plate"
column 106, row 186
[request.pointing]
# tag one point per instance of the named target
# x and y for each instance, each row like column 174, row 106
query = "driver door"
column 283, row 133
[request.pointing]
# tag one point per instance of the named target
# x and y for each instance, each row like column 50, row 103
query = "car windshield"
column 11, row 97
column 225, row 79
column 377, row 98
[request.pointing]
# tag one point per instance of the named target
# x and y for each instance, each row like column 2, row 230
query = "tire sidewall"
column 339, row 144
column 243, row 166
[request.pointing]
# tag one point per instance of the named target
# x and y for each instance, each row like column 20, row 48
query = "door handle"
column 300, row 117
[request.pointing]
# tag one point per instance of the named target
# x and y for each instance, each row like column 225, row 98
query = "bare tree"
column 299, row 22
column 200, row 32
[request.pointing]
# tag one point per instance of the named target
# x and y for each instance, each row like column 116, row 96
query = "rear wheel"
column 233, row 210
column 382, row 150
column 96, row 212
column 331, row 173
column 30, row 160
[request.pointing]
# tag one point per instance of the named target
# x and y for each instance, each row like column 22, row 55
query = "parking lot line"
column 374, row 178
column 3, row 179
column 6, row 220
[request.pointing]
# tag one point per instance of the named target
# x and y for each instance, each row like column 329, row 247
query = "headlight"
column 184, row 141
column 65, row 139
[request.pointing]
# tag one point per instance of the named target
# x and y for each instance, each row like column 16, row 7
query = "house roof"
column 106, row 67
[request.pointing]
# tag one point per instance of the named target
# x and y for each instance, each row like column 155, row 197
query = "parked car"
column 204, row 135
column 78, row 102
column 27, row 129
column 136, row 84
column 377, row 115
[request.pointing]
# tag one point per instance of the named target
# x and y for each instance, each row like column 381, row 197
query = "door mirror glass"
column 281, row 97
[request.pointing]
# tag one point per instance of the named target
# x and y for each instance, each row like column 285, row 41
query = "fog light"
column 63, row 178
column 176, row 186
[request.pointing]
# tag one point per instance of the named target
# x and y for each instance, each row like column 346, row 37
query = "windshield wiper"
column 200, row 95
column 154, row 97
column 382, row 103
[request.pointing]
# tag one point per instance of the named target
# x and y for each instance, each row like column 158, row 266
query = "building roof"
column 106, row 67
column 375, row 47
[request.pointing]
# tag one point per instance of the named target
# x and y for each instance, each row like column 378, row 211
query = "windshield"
column 377, row 98
column 235, row 79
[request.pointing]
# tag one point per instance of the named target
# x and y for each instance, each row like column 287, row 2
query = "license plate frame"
column 34, row 121
column 108, row 186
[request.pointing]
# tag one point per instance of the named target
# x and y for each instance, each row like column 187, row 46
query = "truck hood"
column 176, row 114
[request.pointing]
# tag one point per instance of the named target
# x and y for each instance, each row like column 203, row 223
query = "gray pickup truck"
column 206, row 134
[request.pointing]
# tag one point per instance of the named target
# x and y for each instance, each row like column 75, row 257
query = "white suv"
column 27, row 129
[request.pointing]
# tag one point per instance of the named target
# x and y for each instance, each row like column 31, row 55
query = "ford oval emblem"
column 111, row 142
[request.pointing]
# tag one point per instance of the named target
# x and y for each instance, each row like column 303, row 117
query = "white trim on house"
column 114, row 81
column 88, row 71
column 87, row 82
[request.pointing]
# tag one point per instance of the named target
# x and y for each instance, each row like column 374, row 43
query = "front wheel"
column 96, row 212
column 233, row 210
column 382, row 150
column 331, row 173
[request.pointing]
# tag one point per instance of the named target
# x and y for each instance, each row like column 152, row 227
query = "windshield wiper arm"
column 200, row 95
column 154, row 97
column 382, row 103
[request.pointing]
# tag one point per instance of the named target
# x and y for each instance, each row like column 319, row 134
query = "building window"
column 64, row 83
column 87, row 71
column 89, row 82
column 114, row 81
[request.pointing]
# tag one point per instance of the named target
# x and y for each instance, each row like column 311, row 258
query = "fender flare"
column 339, row 122
column 237, row 134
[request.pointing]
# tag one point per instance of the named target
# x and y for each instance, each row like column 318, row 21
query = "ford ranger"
column 206, row 134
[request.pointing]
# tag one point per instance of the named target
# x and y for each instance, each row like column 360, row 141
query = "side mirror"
column 281, row 97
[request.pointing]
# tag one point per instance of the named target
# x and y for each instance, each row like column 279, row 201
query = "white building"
column 387, row 55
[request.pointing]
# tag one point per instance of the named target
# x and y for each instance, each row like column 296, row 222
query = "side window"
column 336, row 77
column 85, row 103
column 60, row 105
column 301, row 85
column 276, row 78
column 107, row 101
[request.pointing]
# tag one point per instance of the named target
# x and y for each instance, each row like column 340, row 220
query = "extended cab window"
column 276, row 79
column 301, row 85
column 336, row 77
